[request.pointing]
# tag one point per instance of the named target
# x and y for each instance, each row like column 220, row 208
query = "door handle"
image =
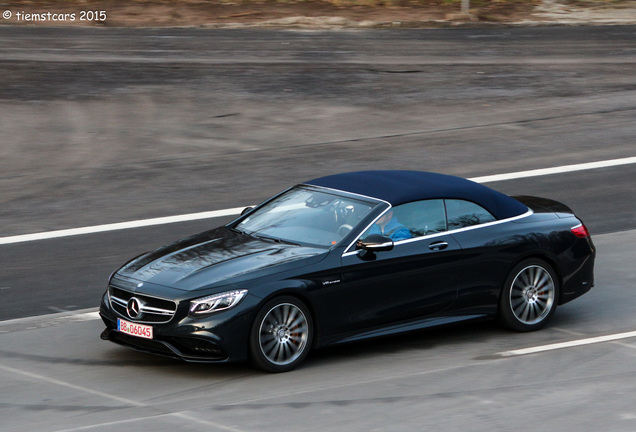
column 438, row 245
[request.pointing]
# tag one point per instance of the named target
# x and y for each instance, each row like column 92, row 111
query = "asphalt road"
column 105, row 125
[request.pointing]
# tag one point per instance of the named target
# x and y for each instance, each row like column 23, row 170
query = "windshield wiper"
column 273, row 239
column 236, row 230
column 287, row 242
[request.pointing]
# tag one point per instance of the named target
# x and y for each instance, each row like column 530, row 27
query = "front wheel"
column 281, row 335
column 530, row 296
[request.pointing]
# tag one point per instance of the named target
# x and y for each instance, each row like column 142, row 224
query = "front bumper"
column 217, row 338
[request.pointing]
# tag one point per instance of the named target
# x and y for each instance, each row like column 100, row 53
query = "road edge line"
column 23, row 238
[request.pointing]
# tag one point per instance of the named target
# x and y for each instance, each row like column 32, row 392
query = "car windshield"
column 307, row 216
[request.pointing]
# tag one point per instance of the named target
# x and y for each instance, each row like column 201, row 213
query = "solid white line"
column 235, row 211
column 119, row 226
column 88, row 314
column 555, row 170
column 570, row 344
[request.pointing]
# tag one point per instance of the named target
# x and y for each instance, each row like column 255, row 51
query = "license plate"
column 138, row 330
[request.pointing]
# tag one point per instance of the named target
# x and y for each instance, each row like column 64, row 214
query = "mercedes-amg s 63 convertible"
column 349, row 257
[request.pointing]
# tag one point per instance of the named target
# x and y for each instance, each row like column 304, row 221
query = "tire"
column 281, row 335
column 529, row 297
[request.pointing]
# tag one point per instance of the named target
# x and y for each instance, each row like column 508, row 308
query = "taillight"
column 580, row 231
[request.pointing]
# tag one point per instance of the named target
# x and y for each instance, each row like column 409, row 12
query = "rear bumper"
column 580, row 279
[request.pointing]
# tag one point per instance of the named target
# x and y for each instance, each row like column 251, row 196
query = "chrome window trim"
column 430, row 236
column 377, row 200
column 366, row 197
column 339, row 192
column 365, row 230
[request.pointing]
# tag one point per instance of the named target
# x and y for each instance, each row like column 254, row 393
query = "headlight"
column 216, row 302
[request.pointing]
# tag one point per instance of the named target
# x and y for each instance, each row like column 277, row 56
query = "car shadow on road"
column 427, row 339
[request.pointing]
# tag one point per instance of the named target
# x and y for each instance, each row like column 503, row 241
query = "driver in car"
column 389, row 226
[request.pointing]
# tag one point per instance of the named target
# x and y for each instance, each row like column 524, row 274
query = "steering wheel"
column 344, row 230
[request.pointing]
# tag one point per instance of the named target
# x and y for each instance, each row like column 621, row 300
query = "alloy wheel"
column 532, row 294
column 283, row 334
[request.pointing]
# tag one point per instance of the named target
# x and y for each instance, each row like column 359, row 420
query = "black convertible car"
column 349, row 257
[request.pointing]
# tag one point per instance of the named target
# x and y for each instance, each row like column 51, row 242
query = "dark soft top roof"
column 399, row 187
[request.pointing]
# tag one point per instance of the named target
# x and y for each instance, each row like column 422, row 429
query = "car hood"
column 216, row 257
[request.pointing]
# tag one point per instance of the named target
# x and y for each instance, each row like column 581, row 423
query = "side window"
column 422, row 217
column 462, row 213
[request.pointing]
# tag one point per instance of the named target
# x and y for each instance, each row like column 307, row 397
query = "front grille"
column 154, row 310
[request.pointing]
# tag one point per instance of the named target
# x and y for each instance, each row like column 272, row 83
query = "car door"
column 415, row 279
column 488, row 247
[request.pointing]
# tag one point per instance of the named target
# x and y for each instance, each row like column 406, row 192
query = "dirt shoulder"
column 314, row 13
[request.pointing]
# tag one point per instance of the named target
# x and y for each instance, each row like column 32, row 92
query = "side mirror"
column 375, row 243
column 246, row 210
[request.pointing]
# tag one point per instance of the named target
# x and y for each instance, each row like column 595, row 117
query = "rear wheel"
column 281, row 335
column 530, row 295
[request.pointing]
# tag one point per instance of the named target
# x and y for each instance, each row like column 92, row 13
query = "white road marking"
column 235, row 211
column 38, row 377
column 127, row 402
column 116, row 423
column 570, row 344
column 182, row 415
column 555, row 170
column 87, row 314
column 120, row 226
